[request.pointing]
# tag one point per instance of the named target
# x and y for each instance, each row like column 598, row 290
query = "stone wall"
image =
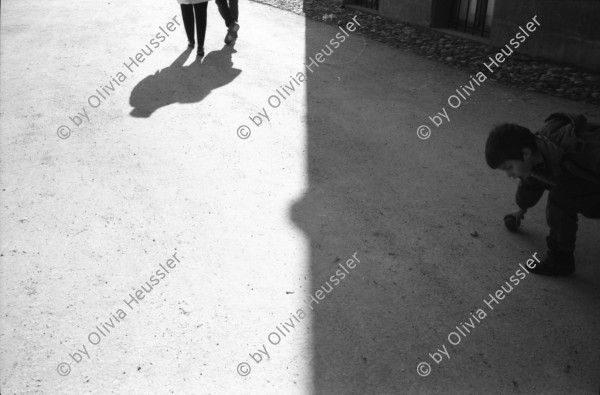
column 417, row 12
column 569, row 30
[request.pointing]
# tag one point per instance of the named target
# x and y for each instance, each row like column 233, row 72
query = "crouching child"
column 563, row 158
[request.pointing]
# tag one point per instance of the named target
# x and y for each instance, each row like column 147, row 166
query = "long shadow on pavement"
column 183, row 84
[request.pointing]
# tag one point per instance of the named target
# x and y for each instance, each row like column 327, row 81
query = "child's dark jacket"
column 570, row 148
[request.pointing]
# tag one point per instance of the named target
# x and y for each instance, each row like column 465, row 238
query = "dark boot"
column 232, row 33
column 556, row 263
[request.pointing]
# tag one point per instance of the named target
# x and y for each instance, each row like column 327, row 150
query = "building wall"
column 417, row 12
column 569, row 30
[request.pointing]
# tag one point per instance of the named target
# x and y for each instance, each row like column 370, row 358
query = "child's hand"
column 512, row 221
column 520, row 214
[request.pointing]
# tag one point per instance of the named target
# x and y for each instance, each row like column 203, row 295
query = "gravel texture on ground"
column 519, row 71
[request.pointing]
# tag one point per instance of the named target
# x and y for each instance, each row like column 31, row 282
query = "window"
column 473, row 16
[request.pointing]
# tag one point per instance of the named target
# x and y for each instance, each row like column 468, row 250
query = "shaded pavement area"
column 260, row 224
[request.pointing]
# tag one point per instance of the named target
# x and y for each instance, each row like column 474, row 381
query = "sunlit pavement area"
column 159, row 248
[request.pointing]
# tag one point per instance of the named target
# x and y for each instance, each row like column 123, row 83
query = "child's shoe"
column 556, row 263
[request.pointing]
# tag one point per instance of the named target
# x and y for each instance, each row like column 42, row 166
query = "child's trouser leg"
column 564, row 203
column 563, row 226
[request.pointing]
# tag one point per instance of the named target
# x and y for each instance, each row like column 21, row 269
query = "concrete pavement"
column 259, row 225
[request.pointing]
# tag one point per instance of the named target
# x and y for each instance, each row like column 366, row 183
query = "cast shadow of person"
column 183, row 84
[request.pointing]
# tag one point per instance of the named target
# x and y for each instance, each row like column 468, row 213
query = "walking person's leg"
column 233, row 9
column 225, row 12
column 229, row 12
column 187, row 14
column 200, row 10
